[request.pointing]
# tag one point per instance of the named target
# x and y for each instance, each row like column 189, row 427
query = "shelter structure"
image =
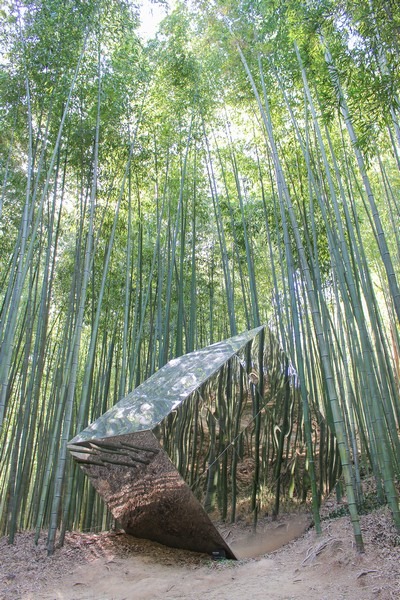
column 185, row 452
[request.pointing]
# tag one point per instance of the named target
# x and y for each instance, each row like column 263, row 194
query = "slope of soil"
column 115, row 566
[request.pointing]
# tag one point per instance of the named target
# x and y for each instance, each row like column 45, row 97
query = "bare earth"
column 115, row 566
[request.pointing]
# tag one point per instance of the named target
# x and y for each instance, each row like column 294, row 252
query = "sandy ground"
column 114, row 566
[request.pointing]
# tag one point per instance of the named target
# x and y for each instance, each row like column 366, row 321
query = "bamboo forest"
column 239, row 170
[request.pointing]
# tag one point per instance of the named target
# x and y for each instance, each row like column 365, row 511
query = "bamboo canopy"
column 241, row 167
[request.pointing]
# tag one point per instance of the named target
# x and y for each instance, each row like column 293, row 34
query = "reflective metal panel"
column 145, row 492
column 154, row 399
column 185, row 452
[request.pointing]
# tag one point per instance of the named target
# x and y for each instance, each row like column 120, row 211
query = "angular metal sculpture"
column 182, row 454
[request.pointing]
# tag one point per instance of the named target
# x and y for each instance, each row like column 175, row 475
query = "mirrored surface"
column 165, row 390
column 208, row 441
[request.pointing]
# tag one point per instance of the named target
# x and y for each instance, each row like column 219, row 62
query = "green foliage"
column 240, row 198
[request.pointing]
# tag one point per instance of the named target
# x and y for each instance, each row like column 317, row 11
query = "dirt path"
column 111, row 566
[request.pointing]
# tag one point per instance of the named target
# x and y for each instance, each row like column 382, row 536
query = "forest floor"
column 116, row 566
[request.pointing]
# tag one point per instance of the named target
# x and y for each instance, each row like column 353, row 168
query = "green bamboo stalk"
column 380, row 235
column 221, row 236
column 62, row 455
column 316, row 315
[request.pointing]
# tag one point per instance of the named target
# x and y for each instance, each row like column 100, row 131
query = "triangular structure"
column 182, row 453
